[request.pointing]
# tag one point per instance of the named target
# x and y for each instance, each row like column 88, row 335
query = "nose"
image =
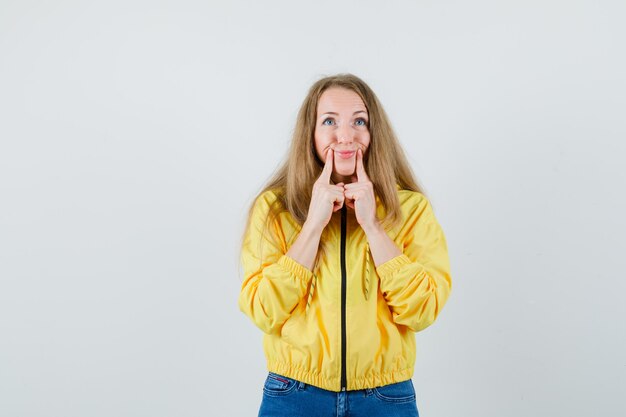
column 345, row 134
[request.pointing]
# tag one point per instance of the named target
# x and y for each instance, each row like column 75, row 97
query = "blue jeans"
column 283, row 396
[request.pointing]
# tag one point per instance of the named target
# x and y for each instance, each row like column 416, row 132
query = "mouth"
column 346, row 154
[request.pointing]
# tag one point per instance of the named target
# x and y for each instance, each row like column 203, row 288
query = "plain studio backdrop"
column 134, row 135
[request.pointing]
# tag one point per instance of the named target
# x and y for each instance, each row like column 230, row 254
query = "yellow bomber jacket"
column 347, row 325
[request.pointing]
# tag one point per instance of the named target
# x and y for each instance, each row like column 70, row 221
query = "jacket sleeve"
column 417, row 283
column 273, row 282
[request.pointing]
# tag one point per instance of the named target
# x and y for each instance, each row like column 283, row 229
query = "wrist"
column 311, row 229
column 373, row 228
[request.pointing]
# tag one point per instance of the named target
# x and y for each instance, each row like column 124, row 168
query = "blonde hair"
column 385, row 161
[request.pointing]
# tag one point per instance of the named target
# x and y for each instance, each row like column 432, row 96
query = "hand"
column 326, row 198
column 360, row 195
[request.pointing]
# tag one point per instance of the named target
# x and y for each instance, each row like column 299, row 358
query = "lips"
column 345, row 154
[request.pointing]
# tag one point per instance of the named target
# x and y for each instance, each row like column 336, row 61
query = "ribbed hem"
column 333, row 384
column 392, row 265
column 295, row 268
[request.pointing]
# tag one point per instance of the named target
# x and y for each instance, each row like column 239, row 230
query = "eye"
column 360, row 119
column 327, row 119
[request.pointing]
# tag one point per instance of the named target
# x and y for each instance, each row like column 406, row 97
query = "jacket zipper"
column 344, row 382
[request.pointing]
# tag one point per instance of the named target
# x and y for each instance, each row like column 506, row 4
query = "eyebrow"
column 337, row 114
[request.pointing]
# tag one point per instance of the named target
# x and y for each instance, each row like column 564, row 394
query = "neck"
column 340, row 178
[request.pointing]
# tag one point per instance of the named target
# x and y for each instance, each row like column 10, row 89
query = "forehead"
column 340, row 99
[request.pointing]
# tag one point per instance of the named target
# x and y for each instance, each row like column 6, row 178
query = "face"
column 341, row 124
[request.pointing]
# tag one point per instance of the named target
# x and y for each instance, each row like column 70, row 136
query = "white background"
column 134, row 134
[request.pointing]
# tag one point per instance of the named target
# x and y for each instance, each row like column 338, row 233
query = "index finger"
column 360, row 169
column 328, row 167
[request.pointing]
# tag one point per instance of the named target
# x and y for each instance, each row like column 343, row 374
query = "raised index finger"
column 361, row 175
column 328, row 167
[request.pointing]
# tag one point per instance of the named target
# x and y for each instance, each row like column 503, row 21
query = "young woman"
column 343, row 262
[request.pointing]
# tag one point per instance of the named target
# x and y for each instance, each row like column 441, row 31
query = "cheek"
column 319, row 146
column 321, row 142
column 364, row 142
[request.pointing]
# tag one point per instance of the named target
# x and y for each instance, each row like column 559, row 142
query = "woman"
column 343, row 262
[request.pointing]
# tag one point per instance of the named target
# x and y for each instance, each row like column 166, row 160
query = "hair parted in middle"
column 385, row 161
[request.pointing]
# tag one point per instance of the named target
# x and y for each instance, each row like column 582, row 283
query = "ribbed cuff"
column 295, row 268
column 392, row 265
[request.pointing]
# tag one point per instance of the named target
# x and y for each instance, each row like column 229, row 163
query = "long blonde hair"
column 385, row 161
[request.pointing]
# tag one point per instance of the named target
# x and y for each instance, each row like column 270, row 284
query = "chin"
column 345, row 173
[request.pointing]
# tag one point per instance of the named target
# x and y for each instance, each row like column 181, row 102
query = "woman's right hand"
column 326, row 197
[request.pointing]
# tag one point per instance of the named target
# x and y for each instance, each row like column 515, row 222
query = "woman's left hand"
column 360, row 195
